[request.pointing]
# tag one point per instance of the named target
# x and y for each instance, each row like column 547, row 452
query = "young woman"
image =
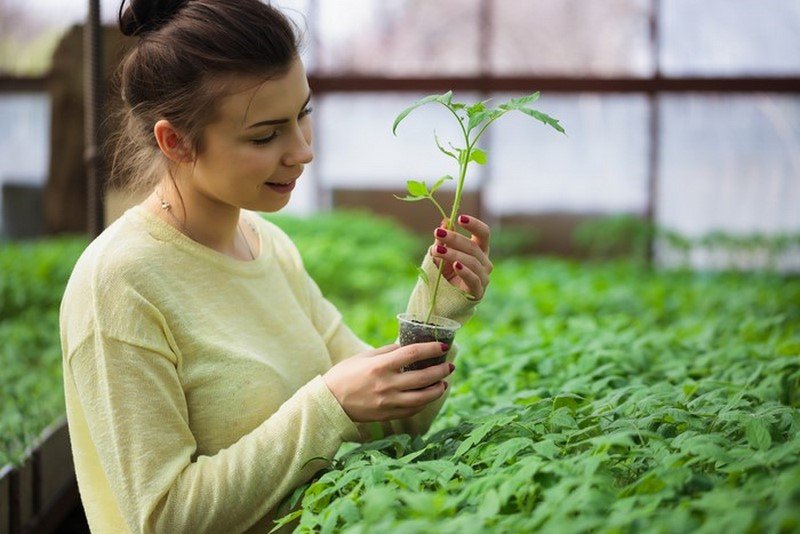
column 204, row 372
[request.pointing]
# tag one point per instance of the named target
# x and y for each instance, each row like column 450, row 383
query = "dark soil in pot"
column 414, row 329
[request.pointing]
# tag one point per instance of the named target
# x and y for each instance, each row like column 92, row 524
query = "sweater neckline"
column 163, row 231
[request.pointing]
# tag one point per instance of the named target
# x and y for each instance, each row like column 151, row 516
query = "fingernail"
column 452, row 367
column 445, row 386
column 441, row 233
column 459, row 266
column 445, row 347
column 463, row 219
column 441, row 249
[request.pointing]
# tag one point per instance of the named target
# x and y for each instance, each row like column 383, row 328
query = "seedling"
column 473, row 121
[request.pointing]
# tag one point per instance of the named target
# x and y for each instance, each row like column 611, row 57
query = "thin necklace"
column 166, row 206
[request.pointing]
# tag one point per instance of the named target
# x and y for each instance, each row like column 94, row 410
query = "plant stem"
column 439, row 207
column 462, row 174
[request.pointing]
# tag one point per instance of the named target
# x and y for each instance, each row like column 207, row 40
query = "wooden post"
column 655, row 134
column 93, row 108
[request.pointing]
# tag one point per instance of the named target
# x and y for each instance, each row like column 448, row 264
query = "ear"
column 171, row 143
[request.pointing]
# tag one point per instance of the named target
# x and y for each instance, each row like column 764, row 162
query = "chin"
column 274, row 204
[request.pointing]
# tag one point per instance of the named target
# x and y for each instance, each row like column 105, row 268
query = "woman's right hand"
column 371, row 386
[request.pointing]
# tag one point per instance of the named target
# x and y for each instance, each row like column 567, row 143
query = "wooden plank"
column 5, row 499
column 555, row 84
column 23, row 84
column 56, row 469
column 25, row 492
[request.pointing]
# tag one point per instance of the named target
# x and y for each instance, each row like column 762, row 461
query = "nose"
column 300, row 151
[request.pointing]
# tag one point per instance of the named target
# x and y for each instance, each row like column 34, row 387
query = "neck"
column 210, row 223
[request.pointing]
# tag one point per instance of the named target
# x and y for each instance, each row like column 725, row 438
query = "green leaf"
column 517, row 103
column 417, row 189
column 422, row 275
column 569, row 401
column 444, row 99
column 475, row 109
column 440, row 181
column 478, row 156
column 285, row 520
column 547, row 448
column 487, row 115
column 546, row 119
column 410, row 199
column 758, row 435
column 442, row 149
column 321, row 458
column 490, row 504
column 476, row 119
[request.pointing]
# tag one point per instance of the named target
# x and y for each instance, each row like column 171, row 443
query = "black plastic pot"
column 414, row 329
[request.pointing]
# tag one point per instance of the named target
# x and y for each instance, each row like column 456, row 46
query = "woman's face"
column 256, row 149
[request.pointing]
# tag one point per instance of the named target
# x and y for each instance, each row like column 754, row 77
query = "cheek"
column 257, row 160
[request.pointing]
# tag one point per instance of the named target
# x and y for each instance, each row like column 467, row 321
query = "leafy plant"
column 473, row 120
column 602, row 397
column 33, row 279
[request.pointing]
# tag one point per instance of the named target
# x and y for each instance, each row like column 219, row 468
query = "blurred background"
column 681, row 116
column 682, row 152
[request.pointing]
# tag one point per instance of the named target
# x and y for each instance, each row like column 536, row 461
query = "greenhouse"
column 399, row 266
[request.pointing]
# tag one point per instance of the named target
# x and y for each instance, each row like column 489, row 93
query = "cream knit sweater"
column 193, row 380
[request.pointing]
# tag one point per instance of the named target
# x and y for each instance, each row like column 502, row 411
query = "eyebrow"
column 279, row 121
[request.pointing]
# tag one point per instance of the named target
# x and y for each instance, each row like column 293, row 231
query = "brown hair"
column 187, row 50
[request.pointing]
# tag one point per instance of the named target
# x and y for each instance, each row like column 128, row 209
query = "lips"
column 281, row 187
column 281, row 183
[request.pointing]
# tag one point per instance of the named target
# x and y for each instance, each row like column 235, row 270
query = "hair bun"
column 144, row 16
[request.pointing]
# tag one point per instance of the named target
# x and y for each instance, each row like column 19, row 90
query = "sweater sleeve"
column 126, row 373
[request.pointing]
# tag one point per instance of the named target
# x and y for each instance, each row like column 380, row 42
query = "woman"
column 205, row 374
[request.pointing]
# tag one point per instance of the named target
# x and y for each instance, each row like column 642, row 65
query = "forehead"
column 251, row 99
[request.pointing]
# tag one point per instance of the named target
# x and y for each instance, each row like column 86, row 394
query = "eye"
column 306, row 112
column 264, row 140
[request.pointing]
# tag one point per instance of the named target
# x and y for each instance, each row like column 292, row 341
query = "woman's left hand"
column 466, row 259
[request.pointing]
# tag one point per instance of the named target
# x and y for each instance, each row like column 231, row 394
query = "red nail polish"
column 441, row 250
column 459, row 266
column 445, row 347
column 441, row 233
column 463, row 219
column 452, row 367
column 445, row 386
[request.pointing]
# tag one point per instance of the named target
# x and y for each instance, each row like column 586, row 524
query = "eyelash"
column 259, row 142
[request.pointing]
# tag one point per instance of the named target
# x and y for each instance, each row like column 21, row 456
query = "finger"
column 479, row 230
column 422, row 378
column 476, row 286
column 381, row 350
column 422, row 397
column 417, row 352
column 447, row 269
column 471, row 262
column 456, row 241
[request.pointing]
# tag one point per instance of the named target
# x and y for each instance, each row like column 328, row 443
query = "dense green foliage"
column 629, row 235
column 31, row 285
column 602, row 397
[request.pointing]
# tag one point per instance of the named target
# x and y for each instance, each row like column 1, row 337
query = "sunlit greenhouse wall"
column 726, row 163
